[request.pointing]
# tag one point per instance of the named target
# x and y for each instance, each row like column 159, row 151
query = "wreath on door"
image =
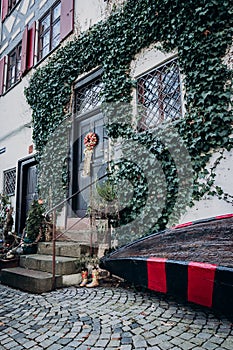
column 90, row 142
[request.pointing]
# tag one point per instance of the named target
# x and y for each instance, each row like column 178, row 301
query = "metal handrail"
column 54, row 225
column 75, row 194
column 70, row 228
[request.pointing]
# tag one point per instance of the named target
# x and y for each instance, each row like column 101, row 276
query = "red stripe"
column 201, row 283
column 224, row 216
column 156, row 273
column 183, row 225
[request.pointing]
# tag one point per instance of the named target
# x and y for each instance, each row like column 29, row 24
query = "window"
column 54, row 27
column 18, row 61
column 14, row 66
column 11, row 4
column 9, row 179
column 159, row 93
column 7, row 6
column 88, row 96
column 49, row 30
column 2, row 71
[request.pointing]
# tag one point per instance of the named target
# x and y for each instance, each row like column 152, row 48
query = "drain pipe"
column 54, row 252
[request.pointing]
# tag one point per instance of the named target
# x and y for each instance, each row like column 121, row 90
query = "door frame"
column 75, row 150
column 77, row 118
column 23, row 165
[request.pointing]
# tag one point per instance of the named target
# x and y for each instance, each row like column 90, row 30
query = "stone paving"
column 107, row 318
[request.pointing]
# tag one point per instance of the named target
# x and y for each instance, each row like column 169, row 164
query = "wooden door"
column 26, row 190
column 30, row 188
column 98, row 161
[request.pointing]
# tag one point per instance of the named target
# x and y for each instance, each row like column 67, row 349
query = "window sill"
column 11, row 87
column 47, row 56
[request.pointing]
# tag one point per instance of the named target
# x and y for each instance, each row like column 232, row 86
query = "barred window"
column 88, row 96
column 159, row 95
column 9, row 179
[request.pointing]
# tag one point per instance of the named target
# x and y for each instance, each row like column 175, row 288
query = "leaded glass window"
column 89, row 96
column 159, row 95
column 9, row 179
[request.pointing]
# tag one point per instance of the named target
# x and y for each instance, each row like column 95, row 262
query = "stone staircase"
column 34, row 273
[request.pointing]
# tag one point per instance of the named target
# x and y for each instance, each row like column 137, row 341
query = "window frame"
column 7, row 7
column 161, row 99
column 17, row 51
column 5, row 174
column 49, row 30
column 12, row 4
column 92, row 79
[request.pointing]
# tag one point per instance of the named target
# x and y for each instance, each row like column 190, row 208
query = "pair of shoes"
column 94, row 282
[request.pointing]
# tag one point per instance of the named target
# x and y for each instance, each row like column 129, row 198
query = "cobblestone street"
column 107, row 318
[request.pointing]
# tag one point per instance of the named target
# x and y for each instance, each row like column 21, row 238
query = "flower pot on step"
column 30, row 247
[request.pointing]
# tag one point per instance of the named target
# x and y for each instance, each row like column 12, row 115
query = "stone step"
column 40, row 262
column 29, row 280
column 69, row 249
column 80, row 236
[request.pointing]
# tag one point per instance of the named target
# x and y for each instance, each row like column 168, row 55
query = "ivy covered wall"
column 201, row 33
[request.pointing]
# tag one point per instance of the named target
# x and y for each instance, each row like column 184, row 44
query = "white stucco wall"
column 15, row 135
column 87, row 13
column 145, row 61
column 90, row 12
column 15, row 113
column 212, row 206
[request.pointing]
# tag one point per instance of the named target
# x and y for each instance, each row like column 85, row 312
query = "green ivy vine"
column 199, row 30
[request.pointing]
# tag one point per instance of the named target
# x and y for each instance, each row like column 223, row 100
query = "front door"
column 26, row 190
column 98, row 165
column 30, row 187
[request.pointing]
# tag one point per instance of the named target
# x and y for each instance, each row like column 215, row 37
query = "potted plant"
column 103, row 212
column 35, row 227
column 8, row 239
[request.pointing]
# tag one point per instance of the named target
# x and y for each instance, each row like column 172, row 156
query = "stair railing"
column 54, row 235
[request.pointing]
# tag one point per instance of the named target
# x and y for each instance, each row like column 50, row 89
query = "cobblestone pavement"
column 107, row 318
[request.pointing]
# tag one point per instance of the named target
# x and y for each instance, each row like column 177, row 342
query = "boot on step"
column 84, row 275
column 95, row 278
